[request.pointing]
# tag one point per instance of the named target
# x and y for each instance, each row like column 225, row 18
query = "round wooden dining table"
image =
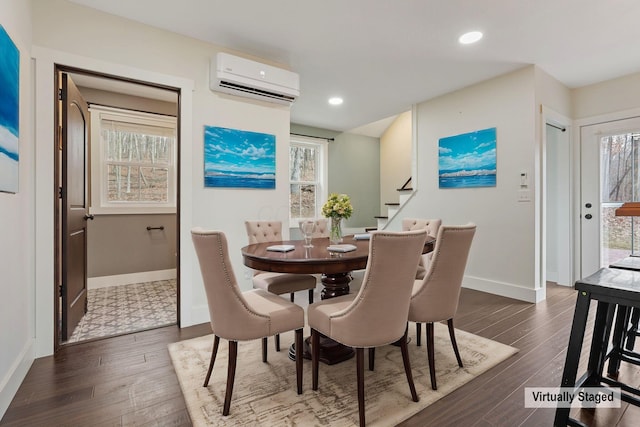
column 335, row 269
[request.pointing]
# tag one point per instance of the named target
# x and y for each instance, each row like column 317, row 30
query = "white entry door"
column 610, row 176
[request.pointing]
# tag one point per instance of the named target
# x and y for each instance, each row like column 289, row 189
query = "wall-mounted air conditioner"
column 251, row 79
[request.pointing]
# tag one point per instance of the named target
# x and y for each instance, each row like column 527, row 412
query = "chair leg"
column 452, row 335
column 418, row 333
column 407, row 366
column 299, row 359
column 277, row 342
column 372, row 357
column 264, row 350
column 214, row 352
column 231, row 375
column 311, row 296
column 360, row 379
column 430, row 355
column 292, row 296
column 315, row 355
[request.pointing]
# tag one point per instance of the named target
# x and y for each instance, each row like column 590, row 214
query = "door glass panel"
column 620, row 182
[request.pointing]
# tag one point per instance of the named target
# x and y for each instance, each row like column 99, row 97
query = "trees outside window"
column 133, row 161
column 307, row 177
column 620, row 182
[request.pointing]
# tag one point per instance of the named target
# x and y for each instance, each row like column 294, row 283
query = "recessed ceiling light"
column 470, row 37
column 336, row 100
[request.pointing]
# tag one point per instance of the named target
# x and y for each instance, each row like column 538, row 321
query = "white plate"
column 281, row 248
column 342, row 248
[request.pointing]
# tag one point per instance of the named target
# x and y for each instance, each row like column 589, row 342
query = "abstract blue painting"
column 468, row 160
column 9, row 112
column 239, row 159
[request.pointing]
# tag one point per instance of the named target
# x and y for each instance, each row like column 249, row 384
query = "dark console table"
column 612, row 288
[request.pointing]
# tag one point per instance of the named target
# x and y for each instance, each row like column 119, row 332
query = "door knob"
column 588, row 216
column 88, row 216
column 588, row 205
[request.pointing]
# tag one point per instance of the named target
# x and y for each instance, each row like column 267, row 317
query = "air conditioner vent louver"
column 255, row 91
column 250, row 79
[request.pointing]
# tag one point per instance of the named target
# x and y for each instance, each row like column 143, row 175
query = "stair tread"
column 381, row 217
column 404, row 189
column 392, row 204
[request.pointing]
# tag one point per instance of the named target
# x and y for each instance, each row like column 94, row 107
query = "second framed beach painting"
column 239, row 159
column 468, row 160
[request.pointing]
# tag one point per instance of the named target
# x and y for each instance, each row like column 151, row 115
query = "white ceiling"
column 125, row 87
column 383, row 56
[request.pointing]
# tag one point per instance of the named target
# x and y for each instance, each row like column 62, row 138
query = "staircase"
column 393, row 208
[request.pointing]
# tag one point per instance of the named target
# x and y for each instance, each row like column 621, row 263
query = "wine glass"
column 307, row 227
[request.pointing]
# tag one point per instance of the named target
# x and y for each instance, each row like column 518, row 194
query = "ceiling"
column 384, row 56
column 125, row 87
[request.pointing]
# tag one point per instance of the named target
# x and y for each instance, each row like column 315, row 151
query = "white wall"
column 609, row 97
column 118, row 46
column 502, row 256
column 16, row 226
column 507, row 253
column 396, row 156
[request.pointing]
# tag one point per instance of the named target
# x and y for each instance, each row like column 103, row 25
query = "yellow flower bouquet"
column 337, row 207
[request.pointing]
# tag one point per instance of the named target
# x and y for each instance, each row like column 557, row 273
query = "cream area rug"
column 264, row 394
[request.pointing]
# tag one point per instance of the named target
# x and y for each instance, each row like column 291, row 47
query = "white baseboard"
column 127, row 279
column 504, row 289
column 14, row 377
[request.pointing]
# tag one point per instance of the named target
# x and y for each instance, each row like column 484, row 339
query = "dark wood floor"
column 129, row 380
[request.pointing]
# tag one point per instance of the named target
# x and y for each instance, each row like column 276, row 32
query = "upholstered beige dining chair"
column 435, row 298
column 277, row 283
column 432, row 226
column 322, row 228
column 377, row 314
column 241, row 316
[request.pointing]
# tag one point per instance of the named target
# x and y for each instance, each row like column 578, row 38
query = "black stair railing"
column 405, row 186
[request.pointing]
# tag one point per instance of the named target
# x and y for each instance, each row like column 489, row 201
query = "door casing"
column 58, row 170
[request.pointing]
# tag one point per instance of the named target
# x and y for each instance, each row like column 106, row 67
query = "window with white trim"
column 307, row 177
column 133, row 161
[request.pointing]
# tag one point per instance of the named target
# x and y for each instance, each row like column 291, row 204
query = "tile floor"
column 117, row 310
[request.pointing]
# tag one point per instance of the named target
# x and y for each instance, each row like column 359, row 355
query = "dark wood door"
column 74, row 174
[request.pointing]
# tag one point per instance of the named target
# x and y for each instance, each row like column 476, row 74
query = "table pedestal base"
column 331, row 352
column 335, row 285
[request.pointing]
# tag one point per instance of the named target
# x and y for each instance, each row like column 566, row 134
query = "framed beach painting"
column 239, row 159
column 9, row 112
column 468, row 160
